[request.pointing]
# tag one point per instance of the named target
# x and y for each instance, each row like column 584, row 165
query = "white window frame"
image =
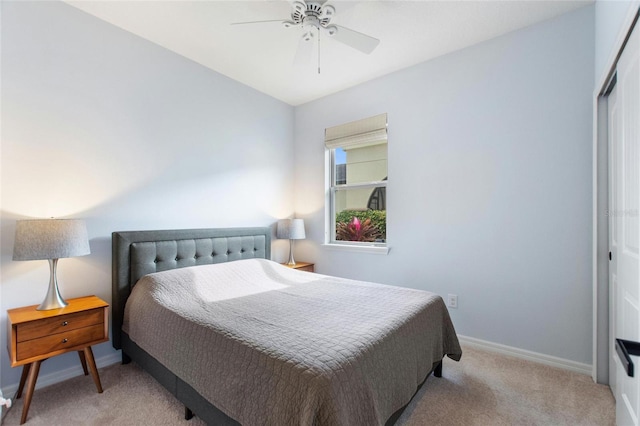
column 332, row 188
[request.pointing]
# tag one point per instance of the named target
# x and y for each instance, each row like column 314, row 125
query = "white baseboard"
column 549, row 360
column 62, row 375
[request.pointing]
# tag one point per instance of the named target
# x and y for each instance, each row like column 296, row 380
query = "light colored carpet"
column 482, row 389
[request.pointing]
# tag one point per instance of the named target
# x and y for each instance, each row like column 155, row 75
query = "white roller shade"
column 357, row 134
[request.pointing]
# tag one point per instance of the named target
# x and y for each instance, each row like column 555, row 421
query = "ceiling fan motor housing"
column 311, row 13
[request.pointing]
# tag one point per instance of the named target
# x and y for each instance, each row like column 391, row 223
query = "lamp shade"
column 38, row 239
column 291, row 229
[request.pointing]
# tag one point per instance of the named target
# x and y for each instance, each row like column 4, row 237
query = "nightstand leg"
column 88, row 354
column 23, row 379
column 83, row 361
column 31, row 385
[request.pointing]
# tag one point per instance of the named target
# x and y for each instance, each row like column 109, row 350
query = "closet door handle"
column 626, row 348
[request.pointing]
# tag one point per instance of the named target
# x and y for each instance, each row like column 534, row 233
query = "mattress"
column 270, row 345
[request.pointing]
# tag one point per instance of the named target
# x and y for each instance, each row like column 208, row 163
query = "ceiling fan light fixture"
column 331, row 30
column 308, row 36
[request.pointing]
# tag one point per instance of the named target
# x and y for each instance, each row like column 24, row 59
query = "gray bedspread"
column 269, row 345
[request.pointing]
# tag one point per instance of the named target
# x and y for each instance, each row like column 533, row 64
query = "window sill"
column 358, row 248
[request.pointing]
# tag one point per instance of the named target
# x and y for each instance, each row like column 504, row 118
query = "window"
column 357, row 194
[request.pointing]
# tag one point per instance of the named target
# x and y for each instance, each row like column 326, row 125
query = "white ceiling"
column 261, row 55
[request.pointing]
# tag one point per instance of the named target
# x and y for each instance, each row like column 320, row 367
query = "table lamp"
column 292, row 229
column 50, row 239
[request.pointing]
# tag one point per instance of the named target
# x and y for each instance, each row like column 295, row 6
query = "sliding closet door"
column 625, row 248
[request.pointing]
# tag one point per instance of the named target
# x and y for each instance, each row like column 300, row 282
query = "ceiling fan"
column 313, row 17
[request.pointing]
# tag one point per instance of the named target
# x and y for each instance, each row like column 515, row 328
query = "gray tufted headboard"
column 137, row 253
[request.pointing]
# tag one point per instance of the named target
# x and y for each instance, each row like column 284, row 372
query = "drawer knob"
column 65, row 340
column 64, row 323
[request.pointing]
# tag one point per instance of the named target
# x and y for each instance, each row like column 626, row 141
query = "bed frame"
column 137, row 253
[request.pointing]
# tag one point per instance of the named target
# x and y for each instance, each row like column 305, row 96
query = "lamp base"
column 291, row 260
column 53, row 299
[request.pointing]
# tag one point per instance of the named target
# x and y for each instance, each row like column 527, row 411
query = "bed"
column 239, row 339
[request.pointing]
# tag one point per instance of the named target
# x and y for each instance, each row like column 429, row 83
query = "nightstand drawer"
column 60, row 324
column 301, row 266
column 60, row 341
column 307, row 268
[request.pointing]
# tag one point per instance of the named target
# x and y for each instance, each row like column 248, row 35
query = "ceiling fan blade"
column 302, row 59
column 256, row 22
column 306, row 47
column 357, row 40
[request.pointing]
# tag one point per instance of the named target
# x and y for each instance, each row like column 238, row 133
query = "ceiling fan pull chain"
column 318, row 51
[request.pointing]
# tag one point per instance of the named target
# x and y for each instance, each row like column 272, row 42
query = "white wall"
column 609, row 21
column 489, row 192
column 102, row 125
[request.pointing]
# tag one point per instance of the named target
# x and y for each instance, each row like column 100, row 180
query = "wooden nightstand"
column 302, row 266
column 36, row 335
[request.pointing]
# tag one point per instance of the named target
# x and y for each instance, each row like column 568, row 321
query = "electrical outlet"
column 452, row 301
